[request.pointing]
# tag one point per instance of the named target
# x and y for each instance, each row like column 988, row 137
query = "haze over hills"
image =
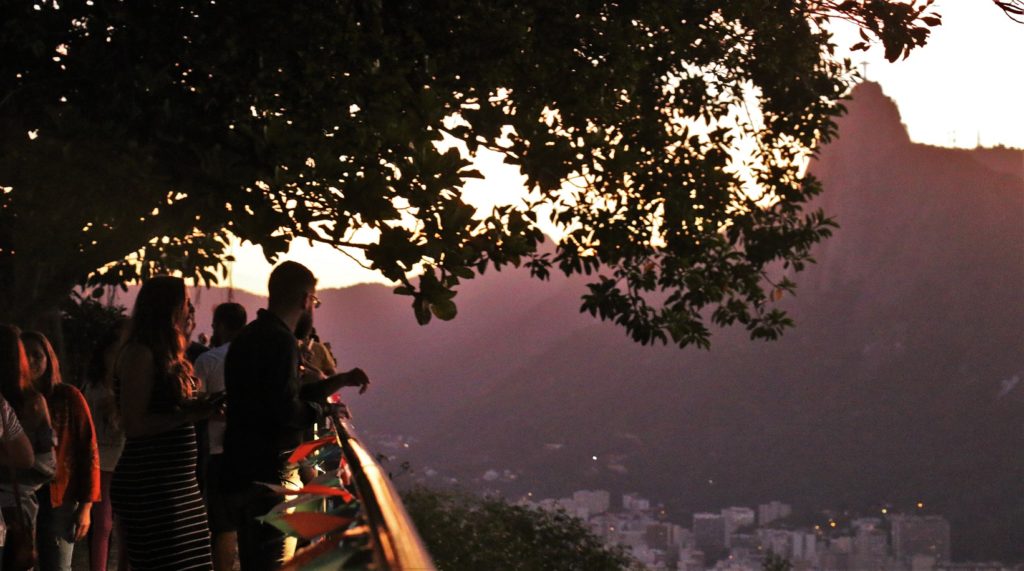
column 885, row 392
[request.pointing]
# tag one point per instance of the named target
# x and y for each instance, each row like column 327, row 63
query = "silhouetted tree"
column 665, row 140
column 464, row 532
column 84, row 321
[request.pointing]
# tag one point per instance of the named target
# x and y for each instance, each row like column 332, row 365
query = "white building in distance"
column 772, row 511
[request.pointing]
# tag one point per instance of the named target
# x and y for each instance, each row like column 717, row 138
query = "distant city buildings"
column 633, row 502
column 870, row 544
column 596, row 502
column 920, row 536
column 735, row 540
column 804, row 547
column 583, row 504
column 709, row 532
column 772, row 511
column 689, row 559
column 736, row 518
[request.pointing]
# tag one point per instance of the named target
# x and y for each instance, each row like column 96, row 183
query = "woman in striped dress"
column 154, row 490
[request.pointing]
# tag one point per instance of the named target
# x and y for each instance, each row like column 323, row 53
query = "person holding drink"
column 154, row 489
column 270, row 405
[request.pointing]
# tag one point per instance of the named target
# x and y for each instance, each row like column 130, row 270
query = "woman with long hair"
column 65, row 505
column 34, row 416
column 15, row 448
column 154, row 489
column 15, row 452
column 99, row 393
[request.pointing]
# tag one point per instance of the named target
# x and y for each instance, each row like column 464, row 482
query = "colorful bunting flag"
column 306, row 448
column 279, row 490
column 319, row 490
column 327, row 555
column 309, row 525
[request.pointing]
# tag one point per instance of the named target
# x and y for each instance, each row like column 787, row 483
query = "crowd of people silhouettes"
column 168, row 442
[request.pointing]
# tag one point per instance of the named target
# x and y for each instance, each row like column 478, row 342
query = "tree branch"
column 1014, row 9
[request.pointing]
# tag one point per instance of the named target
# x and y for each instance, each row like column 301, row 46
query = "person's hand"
column 339, row 408
column 220, row 411
column 357, row 378
column 345, row 474
column 353, row 378
column 83, row 519
column 198, row 410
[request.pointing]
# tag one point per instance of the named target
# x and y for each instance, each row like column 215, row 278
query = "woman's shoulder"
column 134, row 354
column 35, row 411
column 135, row 348
column 70, row 394
column 66, row 391
column 35, row 401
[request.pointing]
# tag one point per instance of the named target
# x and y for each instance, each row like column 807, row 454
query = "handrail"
column 397, row 545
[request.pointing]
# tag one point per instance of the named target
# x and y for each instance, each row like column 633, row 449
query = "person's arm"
column 203, row 369
column 320, row 390
column 136, row 371
column 288, row 408
column 43, row 439
column 17, row 452
column 87, row 462
column 87, row 452
column 15, row 447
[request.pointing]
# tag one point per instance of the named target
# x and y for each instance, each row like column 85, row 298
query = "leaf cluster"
column 84, row 321
column 899, row 26
column 664, row 141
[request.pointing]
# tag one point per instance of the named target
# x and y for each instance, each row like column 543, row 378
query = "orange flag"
column 308, row 525
column 307, row 448
column 320, row 490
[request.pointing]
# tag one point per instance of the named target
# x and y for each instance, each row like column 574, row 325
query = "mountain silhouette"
column 892, row 389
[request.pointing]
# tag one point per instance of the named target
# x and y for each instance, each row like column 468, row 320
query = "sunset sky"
column 964, row 87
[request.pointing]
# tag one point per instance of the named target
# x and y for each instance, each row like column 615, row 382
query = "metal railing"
column 384, row 527
column 397, row 543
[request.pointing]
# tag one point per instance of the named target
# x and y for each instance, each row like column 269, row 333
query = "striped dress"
column 155, row 494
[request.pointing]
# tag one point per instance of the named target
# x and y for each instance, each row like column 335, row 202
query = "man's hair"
column 289, row 282
column 230, row 315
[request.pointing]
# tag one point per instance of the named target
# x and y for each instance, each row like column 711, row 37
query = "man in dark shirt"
column 194, row 349
column 269, row 408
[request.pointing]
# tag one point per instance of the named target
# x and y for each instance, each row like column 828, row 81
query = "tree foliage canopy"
column 464, row 532
column 664, row 140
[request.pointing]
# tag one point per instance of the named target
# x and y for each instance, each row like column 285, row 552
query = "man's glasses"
column 316, row 300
